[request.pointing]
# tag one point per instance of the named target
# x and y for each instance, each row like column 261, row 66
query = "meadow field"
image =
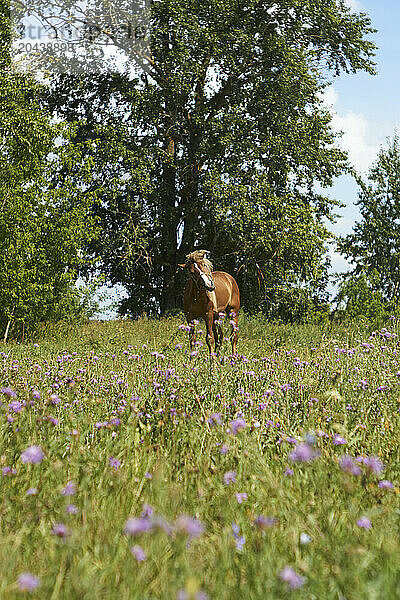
column 133, row 469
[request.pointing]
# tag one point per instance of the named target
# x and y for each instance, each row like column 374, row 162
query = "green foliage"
column 125, row 391
column 373, row 248
column 360, row 296
column 217, row 142
column 42, row 226
column 277, row 249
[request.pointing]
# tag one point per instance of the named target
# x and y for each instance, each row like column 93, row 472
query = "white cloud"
column 356, row 135
column 339, row 263
column 354, row 5
column 330, row 97
column 355, row 139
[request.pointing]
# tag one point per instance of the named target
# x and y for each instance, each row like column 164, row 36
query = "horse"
column 207, row 294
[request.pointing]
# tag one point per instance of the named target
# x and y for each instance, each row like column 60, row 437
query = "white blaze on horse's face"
column 207, row 279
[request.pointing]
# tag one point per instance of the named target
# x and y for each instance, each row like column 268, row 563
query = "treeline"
column 214, row 135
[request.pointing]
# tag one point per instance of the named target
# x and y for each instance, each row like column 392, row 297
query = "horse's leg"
column 217, row 334
column 234, row 332
column 192, row 333
column 209, row 319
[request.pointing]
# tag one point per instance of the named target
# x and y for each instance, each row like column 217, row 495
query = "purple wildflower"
column 288, row 440
column 69, row 489
column 138, row 553
column 135, row 526
column 293, row 579
column 288, row 472
column 382, row 388
column 71, row 509
column 114, row 462
column 285, row 387
column 32, row 491
column 190, row 526
column 302, row 453
column 60, row 530
column 374, row 464
column 241, row 497
column 348, row 465
column 229, row 477
column 215, row 419
column 8, row 471
column 364, row 522
column 15, row 406
column 33, row 455
column 200, row 595
column 239, row 539
column 385, row 484
column 263, row 522
column 237, row 425
column 28, row 582
column 224, row 449
column 7, row 391
column 310, row 439
column 338, row 440
column 147, row 511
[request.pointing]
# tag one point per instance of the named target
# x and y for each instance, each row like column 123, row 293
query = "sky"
column 367, row 109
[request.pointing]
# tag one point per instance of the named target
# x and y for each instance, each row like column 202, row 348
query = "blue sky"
column 366, row 108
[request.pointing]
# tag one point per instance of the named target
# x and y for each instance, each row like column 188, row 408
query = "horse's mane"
column 200, row 256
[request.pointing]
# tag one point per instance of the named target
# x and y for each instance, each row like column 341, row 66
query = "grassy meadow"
column 134, row 470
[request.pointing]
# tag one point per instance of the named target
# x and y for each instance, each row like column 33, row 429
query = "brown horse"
column 207, row 294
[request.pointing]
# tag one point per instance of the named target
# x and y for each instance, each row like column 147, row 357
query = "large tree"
column 217, row 142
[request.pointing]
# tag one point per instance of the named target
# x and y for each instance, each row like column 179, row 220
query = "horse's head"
column 200, row 269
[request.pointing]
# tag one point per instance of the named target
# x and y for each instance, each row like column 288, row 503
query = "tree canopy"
column 217, row 142
column 373, row 247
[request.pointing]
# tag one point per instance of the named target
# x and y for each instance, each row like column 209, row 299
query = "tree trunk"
column 178, row 206
column 6, row 331
column 8, row 326
column 168, row 245
column 190, row 205
column 171, row 295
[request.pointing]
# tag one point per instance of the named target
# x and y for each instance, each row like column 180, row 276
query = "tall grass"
column 147, row 431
